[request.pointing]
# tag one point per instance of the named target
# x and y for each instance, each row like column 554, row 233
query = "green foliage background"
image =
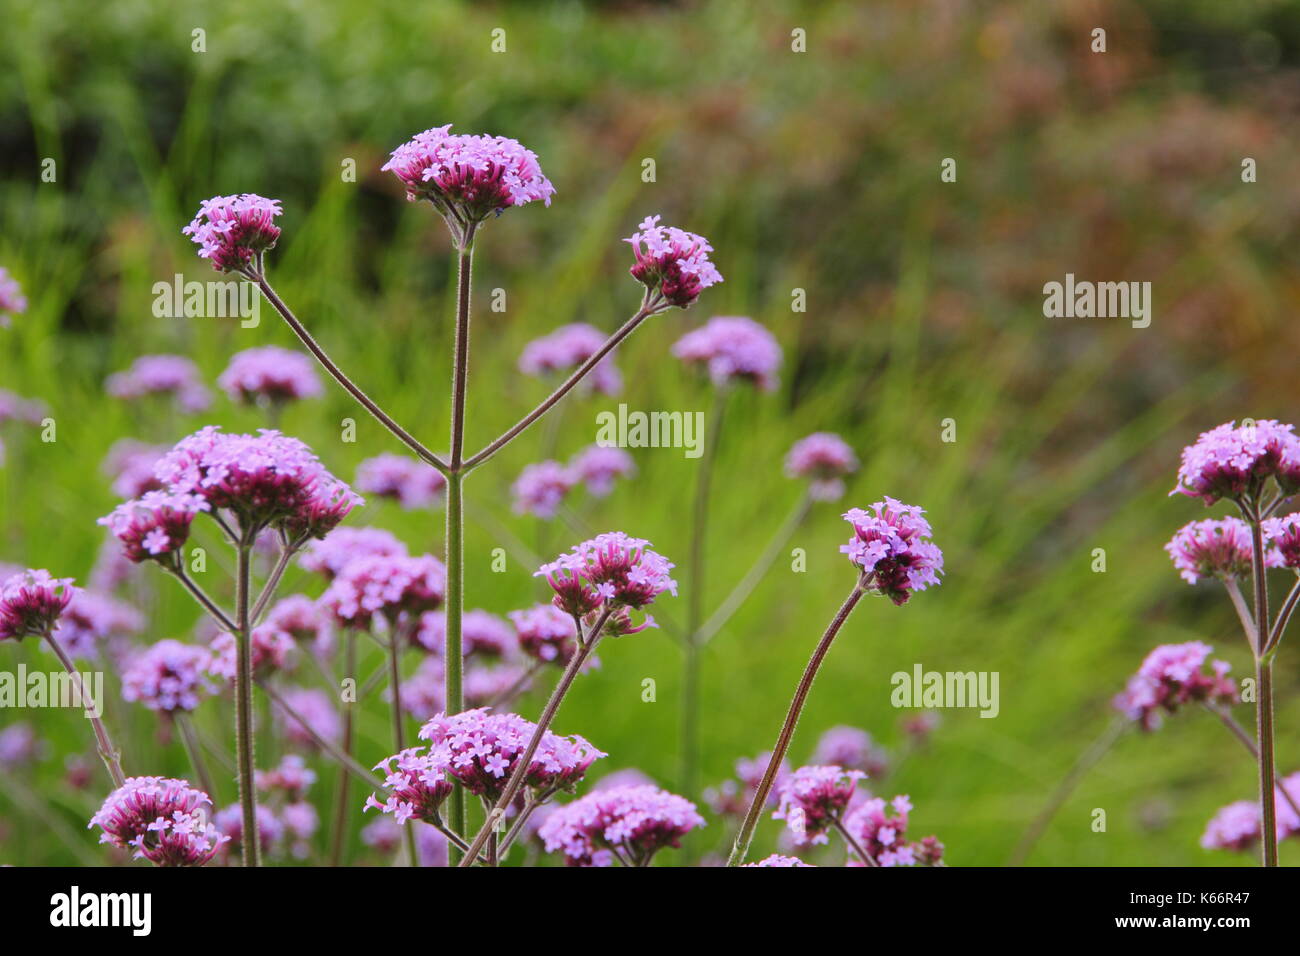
column 816, row 170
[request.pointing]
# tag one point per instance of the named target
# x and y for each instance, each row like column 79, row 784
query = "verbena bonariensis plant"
column 1255, row 466
column 468, row 180
column 894, row 557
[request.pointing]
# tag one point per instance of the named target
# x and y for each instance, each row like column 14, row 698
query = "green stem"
column 524, row 761
column 396, row 639
column 746, row 834
column 1263, row 695
column 250, row 842
column 341, row 807
column 109, row 753
column 191, row 741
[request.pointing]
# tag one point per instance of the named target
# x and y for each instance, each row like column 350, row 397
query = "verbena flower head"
column 483, row 634
column 480, row 750
column 155, row 526
column 31, row 603
column 303, row 620
column 1235, row 461
column 162, row 819
column 316, row 708
column 270, row 375
column 12, row 301
column 853, row 748
column 671, row 262
column 331, row 554
column 612, row 569
column 632, row 823
column 1219, row 549
column 415, row 785
column 130, row 465
column 823, row 459
column 267, row 480
column 271, row 830
column 1173, row 675
column 565, row 349
column 776, row 859
column 733, row 349
column 172, row 375
column 385, row 586
column 812, row 798
column 1283, row 534
column 881, row 830
column 468, row 178
column 271, row 649
column 1238, row 825
column 91, row 620
column 168, row 677
column 541, row 488
column 597, row 467
column 401, row 478
column 291, row 776
column 232, row 231
column 891, row 542
column 545, row 633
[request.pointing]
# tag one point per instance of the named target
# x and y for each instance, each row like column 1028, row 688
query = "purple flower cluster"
column 303, row 620
column 1220, row 549
column 824, row 459
column 568, row 347
column 732, row 797
column 161, row 819
column 385, row 586
column 271, row 375
column 597, row 467
column 403, row 479
column 314, row 707
column 629, row 823
column 267, row 480
column 31, row 603
column 541, row 488
column 733, row 349
column 91, row 620
column 1235, row 461
column 1238, row 825
column 893, row 546
column 776, row 859
column 478, row 749
column 156, row 525
column 270, row 649
column 1173, row 675
column 853, row 748
column 469, row 177
column 161, row 375
column 813, row 798
column 672, row 262
column 483, row 634
column 330, row 555
column 231, row 231
column 545, row 633
column 130, row 465
column 12, row 300
column 1284, row 536
column 611, row 570
column 883, row 835
column 15, row 408
column 168, row 676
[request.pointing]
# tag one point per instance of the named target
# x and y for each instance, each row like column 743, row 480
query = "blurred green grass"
column 816, row 171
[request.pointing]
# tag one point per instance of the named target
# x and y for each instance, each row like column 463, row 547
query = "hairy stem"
column 1241, row 734
column 250, row 842
column 454, row 694
column 580, row 655
column 424, row 454
column 287, row 552
column 1283, row 617
column 746, row 834
column 195, row 752
column 340, row 835
column 109, row 753
column 397, row 638
column 1263, row 695
column 341, row 755
column 853, row 844
column 223, row 620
